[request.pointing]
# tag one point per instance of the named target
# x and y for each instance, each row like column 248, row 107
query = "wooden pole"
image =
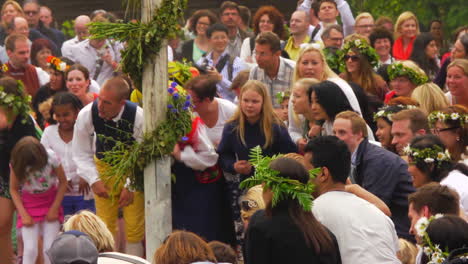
column 158, row 212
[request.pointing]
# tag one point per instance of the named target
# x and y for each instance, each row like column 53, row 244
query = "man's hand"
column 83, row 187
column 215, row 74
column 126, row 198
column 100, row 189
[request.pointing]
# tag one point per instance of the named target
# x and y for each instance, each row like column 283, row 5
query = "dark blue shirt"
column 231, row 148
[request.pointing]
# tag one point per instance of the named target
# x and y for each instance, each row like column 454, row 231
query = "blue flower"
column 185, row 108
column 188, row 97
column 170, row 90
column 170, row 106
column 185, row 138
column 173, row 84
column 174, row 110
column 176, row 96
column 187, row 103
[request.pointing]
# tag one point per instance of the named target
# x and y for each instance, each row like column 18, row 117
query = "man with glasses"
column 81, row 33
column 31, row 9
column 229, row 17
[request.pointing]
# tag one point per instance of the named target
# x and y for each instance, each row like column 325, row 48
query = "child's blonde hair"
column 407, row 253
column 430, row 97
column 90, row 224
column 267, row 114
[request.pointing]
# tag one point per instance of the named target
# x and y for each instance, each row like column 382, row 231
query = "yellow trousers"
column 108, row 209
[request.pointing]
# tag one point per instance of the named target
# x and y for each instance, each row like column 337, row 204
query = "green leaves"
column 282, row 188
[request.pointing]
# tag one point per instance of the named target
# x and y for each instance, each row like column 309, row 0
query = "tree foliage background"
column 453, row 13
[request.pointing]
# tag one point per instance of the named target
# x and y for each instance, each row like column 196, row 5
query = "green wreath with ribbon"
column 143, row 43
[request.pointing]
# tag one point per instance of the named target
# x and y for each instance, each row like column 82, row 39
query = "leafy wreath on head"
column 19, row 104
column 282, row 188
column 397, row 69
column 433, row 155
column 386, row 111
column 144, row 41
column 441, row 116
column 363, row 47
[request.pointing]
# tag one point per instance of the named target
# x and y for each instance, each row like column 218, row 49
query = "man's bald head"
column 81, row 28
column 19, row 25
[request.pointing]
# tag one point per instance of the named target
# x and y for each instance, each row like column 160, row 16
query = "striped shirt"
column 281, row 83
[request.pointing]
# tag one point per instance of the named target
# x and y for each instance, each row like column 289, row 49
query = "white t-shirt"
column 459, row 182
column 363, row 232
column 225, row 111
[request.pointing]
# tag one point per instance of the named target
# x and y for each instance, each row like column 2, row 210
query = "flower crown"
column 434, row 154
column 398, row 69
column 18, row 103
column 433, row 252
column 441, row 116
column 363, row 47
column 57, row 64
column 282, row 188
column 281, row 96
column 4, row 68
column 386, row 111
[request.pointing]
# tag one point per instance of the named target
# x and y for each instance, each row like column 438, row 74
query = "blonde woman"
column 364, row 24
column 430, row 97
column 90, row 224
column 311, row 63
column 457, row 82
column 10, row 10
column 406, row 30
column 250, row 202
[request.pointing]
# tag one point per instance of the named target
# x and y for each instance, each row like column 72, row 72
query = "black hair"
column 315, row 234
column 443, row 168
column 380, row 33
column 428, row 65
column 64, row 98
column 331, row 98
column 464, row 41
column 450, row 232
column 216, row 28
column 330, row 152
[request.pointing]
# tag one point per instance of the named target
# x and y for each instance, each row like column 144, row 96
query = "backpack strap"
column 314, row 33
column 231, row 67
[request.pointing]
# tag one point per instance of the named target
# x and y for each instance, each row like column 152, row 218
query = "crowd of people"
column 377, row 109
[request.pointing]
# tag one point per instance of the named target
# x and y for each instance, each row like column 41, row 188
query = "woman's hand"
column 27, row 220
column 243, row 167
column 52, row 214
column 301, row 143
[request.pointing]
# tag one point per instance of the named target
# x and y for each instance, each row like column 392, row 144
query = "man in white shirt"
column 364, row 233
column 109, row 115
column 81, row 33
column 100, row 56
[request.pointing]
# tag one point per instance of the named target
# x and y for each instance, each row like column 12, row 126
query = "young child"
column 58, row 137
column 36, row 194
column 283, row 100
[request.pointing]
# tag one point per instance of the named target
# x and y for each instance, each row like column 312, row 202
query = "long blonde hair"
column 16, row 6
column 405, row 16
column 460, row 63
column 90, row 224
column 267, row 115
column 327, row 72
column 430, row 97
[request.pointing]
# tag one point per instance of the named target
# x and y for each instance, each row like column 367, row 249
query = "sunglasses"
column 352, row 57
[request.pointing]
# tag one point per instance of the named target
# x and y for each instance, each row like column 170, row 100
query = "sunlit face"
column 458, row 51
column 431, row 50
column 383, row 133
column 109, row 104
column 342, row 128
column 202, row 24
column 251, row 105
column 327, row 12
column 402, row 134
column 56, row 79
column 364, row 26
column 419, row 177
column 402, row 86
column 352, row 62
column 77, row 83
column 219, row 41
column 382, row 47
column 265, row 24
column 310, row 65
column 298, row 23
column 300, row 100
column 448, row 135
column 408, row 28
column 66, row 116
column 41, row 57
column 9, row 13
column 318, row 112
column 457, row 81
